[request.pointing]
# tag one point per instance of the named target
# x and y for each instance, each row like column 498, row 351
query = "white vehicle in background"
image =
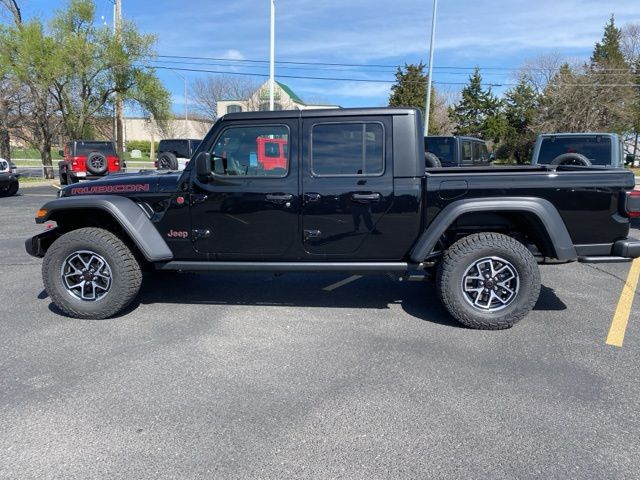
column 174, row 154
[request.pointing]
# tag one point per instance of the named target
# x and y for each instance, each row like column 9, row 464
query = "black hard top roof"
column 325, row 112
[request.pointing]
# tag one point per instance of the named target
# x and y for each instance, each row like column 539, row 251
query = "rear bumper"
column 622, row 251
column 627, row 248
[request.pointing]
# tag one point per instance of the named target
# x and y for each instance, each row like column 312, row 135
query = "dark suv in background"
column 88, row 159
column 450, row 151
column 174, row 154
column 581, row 149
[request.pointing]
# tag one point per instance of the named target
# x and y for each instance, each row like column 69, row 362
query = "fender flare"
column 539, row 207
column 125, row 212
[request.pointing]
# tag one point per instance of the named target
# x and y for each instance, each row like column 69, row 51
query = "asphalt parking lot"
column 263, row 376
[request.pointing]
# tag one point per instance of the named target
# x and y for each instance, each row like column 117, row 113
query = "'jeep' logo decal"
column 130, row 188
column 177, row 234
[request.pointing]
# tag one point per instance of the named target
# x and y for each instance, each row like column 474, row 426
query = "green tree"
column 519, row 108
column 72, row 70
column 410, row 90
column 479, row 111
column 608, row 53
column 95, row 64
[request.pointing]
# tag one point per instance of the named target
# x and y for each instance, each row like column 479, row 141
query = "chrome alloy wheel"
column 490, row 284
column 86, row 275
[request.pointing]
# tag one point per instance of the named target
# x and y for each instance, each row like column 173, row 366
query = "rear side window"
column 347, row 149
column 466, row 151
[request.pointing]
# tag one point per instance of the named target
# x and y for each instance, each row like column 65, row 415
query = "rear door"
column 347, row 186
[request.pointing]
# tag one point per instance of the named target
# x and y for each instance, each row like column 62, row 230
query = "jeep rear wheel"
column 488, row 281
column 10, row 189
column 90, row 273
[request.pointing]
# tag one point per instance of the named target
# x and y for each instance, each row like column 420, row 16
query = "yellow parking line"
column 621, row 317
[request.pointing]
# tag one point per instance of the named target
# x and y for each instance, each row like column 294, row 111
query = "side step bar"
column 349, row 267
column 604, row 259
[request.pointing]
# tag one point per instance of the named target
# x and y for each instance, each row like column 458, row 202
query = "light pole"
column 272, row 54
column 186, row 102
column 431, row 48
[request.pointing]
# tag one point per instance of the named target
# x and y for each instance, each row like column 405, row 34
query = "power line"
column 362, row 80
column 372, row 65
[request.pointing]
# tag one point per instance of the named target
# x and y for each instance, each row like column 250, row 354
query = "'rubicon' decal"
column 127, row 188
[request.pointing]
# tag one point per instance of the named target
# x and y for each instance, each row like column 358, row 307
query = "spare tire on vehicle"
column 571, row 159
column 167, row 161
column 96, row 163
column 431, row 160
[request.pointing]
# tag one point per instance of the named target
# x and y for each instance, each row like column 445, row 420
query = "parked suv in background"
column 582, row 149
column 174, row 154
column 8, row 179
column 88, row 159
column 449, row 151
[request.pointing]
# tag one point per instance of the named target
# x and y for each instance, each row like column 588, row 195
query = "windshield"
column 443, row 148
column 596, row 148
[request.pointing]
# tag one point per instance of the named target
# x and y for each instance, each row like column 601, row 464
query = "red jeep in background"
column 272, row 152
column 88, row 159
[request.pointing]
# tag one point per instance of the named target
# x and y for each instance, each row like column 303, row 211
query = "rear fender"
column 542, row 209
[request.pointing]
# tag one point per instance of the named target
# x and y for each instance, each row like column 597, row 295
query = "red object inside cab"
column 272, row 153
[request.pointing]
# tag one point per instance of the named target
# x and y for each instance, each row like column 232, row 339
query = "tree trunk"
column 45, row 153
column 5, row 143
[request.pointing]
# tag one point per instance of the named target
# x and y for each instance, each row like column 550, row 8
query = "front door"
column 250, row 208
column 347, row 186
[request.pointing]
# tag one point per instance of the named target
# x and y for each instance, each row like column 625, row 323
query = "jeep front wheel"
column 488, row 281
column 90, row 273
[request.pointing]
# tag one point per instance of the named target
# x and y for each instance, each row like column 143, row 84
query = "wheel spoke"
column 490, row 284
column 86, row 275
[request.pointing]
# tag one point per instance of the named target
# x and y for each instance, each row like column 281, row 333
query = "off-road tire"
column 431, row 160
column 126, row 276
column 167, row 161
column 97, row 163
column 470, row 249
column 11, row 190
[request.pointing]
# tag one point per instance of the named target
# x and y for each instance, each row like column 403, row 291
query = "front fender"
column 124, row 211
column 541, row 208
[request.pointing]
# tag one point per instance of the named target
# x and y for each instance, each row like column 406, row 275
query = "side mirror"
column 203, row 165
column 629, row 158
column 492, row 156
column 61, row 153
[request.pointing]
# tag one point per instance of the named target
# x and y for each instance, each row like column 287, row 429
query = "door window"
column 347, row 149
column 253, row 151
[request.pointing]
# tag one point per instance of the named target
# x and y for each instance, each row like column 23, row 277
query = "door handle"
column 366, row 196
column 279, row 197
column 312, row 197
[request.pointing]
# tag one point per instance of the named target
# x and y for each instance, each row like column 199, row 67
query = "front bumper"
column 38, row 245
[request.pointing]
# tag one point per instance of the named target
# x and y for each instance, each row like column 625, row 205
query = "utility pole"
column 117, row 26
column 272, row 54
column 431, row 48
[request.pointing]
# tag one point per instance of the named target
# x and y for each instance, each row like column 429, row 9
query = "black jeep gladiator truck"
column 352, row 195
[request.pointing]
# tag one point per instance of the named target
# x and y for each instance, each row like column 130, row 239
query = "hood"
column 145, row 181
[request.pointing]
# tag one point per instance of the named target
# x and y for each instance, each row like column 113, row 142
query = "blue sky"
column 496, row 35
